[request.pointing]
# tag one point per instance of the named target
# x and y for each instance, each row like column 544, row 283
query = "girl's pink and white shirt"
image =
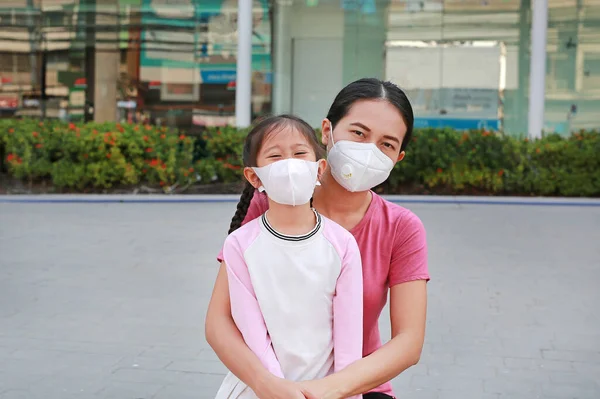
column 297, row 300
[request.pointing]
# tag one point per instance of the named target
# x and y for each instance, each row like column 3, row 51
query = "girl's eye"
column 274, row 156
column 301, row 153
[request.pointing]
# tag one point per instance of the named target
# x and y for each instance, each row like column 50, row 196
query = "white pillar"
column 282, row 58
column 537, row 71
column 243, row 87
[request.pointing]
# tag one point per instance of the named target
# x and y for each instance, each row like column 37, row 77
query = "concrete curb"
column 400, row 199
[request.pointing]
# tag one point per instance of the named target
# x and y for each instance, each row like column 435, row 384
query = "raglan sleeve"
column 258, row 205
column 245, row 309
column 348, row 309
column 409, row 252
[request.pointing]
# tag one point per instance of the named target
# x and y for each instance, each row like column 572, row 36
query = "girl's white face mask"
column 358, row 166
column 289, row 181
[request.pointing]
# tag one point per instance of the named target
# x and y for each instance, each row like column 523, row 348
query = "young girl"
column 295, row 277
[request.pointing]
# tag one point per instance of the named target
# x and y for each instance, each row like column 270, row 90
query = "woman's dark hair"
column 373, row 89
column 252, row 146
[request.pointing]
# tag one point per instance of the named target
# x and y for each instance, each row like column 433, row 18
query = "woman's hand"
column 272, row 387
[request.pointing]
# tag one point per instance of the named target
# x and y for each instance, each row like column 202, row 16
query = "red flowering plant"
column 97, row 156
column 93, row 155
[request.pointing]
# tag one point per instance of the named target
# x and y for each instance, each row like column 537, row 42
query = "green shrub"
column 484, row 162
column 95, row 155
column 84, row 156
column 225, row 146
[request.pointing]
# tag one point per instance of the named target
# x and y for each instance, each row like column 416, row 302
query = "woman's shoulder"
column 261, row 199
column 407, row 246
column 258, row 205
column 394, row 216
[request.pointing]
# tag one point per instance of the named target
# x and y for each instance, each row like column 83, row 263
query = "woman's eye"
column 388, row 145
column 358, row 132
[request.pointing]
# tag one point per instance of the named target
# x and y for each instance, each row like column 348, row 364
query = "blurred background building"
column 464, row 63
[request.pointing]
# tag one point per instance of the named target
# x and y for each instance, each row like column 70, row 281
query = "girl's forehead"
column 287, row 135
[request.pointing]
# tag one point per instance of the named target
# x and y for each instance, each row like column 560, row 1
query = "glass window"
column 188, row 60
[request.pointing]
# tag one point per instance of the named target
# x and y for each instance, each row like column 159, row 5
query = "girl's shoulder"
column 338, row 236
column 244, row 236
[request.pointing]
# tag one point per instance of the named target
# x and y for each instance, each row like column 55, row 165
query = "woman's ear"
column 401, row 156
column 252, row 177
column 325, row 131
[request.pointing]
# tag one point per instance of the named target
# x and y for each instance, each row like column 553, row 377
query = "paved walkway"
column 108, row 301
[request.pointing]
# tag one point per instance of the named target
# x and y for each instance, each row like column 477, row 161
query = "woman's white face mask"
column 358, row 166
column 289, row 181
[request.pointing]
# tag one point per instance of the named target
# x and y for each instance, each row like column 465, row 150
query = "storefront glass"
column 463, row 63
column 188, row 61
column 466, row 63
column 177, row 60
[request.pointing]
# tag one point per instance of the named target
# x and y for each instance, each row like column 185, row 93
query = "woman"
column 366, row 132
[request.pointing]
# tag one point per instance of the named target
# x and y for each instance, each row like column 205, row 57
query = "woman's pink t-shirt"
column 393, row 247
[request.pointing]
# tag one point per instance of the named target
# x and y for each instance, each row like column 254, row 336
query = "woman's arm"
column 408, row 308
column 226, row 340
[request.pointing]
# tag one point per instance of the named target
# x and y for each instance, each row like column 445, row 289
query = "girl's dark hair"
column 252, row 146
column 373, row 89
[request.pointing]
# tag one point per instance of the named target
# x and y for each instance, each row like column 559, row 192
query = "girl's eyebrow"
column 271, row 148
column 301, row 145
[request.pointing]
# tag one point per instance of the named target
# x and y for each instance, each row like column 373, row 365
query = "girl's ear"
column 252, row 177
column 322, row 166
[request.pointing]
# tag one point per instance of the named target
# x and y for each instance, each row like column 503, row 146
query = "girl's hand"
column 319, row 389
column 277, row 388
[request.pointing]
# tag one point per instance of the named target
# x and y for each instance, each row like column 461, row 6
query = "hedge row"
column 84, row 157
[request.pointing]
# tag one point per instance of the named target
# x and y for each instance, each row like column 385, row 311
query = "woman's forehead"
column 378, row 116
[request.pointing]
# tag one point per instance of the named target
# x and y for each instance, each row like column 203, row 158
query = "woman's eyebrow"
column 392, row 138
column 358, row 124
column 388, row 137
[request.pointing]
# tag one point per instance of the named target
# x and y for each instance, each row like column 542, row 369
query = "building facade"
column 463, row 63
